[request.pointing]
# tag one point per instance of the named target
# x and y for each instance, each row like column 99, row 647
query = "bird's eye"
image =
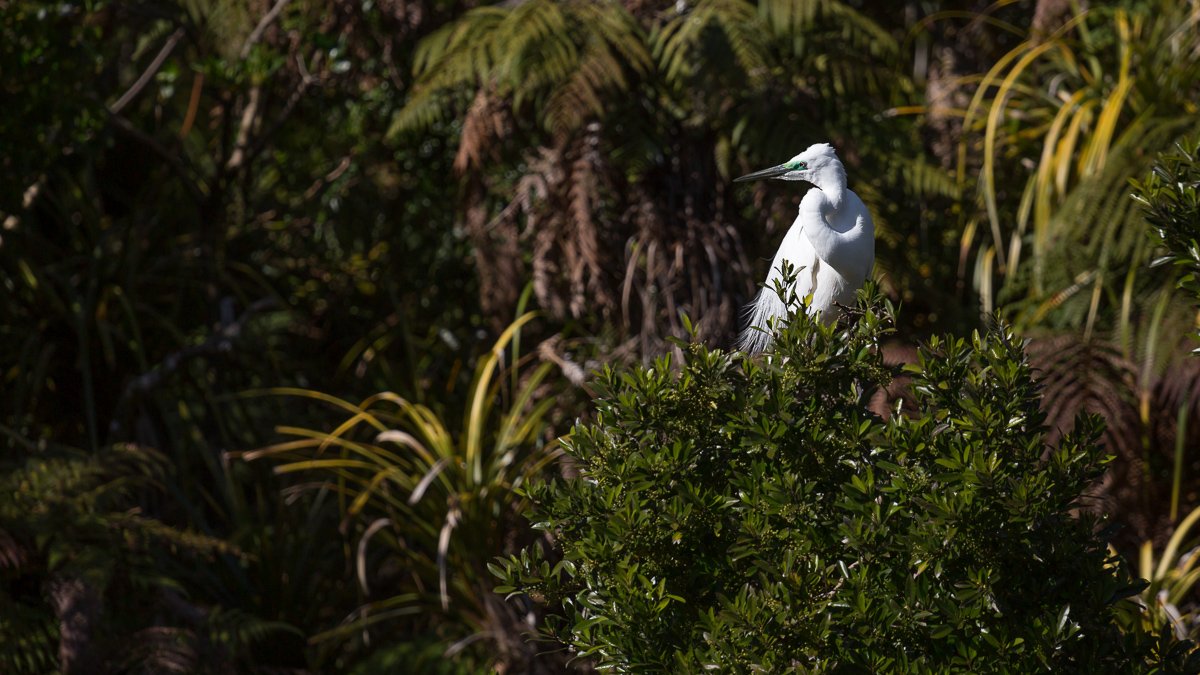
column 798, row 166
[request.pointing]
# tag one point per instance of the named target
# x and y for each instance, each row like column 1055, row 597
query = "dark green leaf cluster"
column 752, row 515
column 1170, row 198
column 75, row 558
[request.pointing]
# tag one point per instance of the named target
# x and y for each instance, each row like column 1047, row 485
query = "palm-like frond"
column 1152, row 476
column 68, row 520
column 679, row 44
column 1085, row 109
column 441, row 499
column 561, row 58
column 841, row 50
column 1170, row 578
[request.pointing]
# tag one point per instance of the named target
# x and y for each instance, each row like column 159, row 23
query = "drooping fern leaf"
column 557, row 57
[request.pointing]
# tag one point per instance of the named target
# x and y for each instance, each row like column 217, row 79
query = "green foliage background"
column 204, row 203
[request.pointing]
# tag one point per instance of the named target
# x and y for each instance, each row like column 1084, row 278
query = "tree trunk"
column 1049, row 16
column 77, row 606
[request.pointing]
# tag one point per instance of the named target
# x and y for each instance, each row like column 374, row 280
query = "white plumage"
column 831, row 243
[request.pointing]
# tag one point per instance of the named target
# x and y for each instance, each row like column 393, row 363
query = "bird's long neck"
column 832, row 238
column 832, row 182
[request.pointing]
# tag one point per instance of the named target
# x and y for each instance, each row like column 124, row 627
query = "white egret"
column 831, row 244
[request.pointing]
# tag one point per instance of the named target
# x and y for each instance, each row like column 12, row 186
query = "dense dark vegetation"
column 225, row 227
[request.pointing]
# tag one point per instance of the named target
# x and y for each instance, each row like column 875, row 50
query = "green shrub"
column 1170, row 199
column 752, row 515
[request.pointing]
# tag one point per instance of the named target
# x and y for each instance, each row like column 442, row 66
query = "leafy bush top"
column 752, row 515
column 1170, row 199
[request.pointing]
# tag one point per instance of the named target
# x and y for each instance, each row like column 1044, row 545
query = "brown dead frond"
column 12, row 554
column 1142, row 413
column 164, row 649
column 486, row 121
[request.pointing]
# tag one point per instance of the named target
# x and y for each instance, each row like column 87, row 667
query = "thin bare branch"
column 257, row 33
column 328, row 178
column 249, row 113
column 149, row 73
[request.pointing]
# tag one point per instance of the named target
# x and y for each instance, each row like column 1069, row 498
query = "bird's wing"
column 797, row 250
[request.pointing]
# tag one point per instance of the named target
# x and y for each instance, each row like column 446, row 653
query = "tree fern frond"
column 581, row 94
column 30, row 639
column 425, row 108
column 923, row 178
column 534, row 46
column 241, row 629
column 432, row 49
column 744, row 31
column 162, row 649
column 562, row 56
column 789, row 18
column 861, row 31
column 450, row 59
column 620, row 30
column 461, row 47
column 585, row 261
column 477, row 128
column 542, row 68
column 675, row 42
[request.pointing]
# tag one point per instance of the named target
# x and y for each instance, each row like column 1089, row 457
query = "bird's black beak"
column 773, row 172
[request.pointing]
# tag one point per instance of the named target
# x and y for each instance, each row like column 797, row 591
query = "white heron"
column 831, row 243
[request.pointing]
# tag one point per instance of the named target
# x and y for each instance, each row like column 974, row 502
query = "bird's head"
column 818, row 165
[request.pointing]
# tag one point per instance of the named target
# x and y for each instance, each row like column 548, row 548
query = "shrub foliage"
column 753, row 515
column 1170, row 200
